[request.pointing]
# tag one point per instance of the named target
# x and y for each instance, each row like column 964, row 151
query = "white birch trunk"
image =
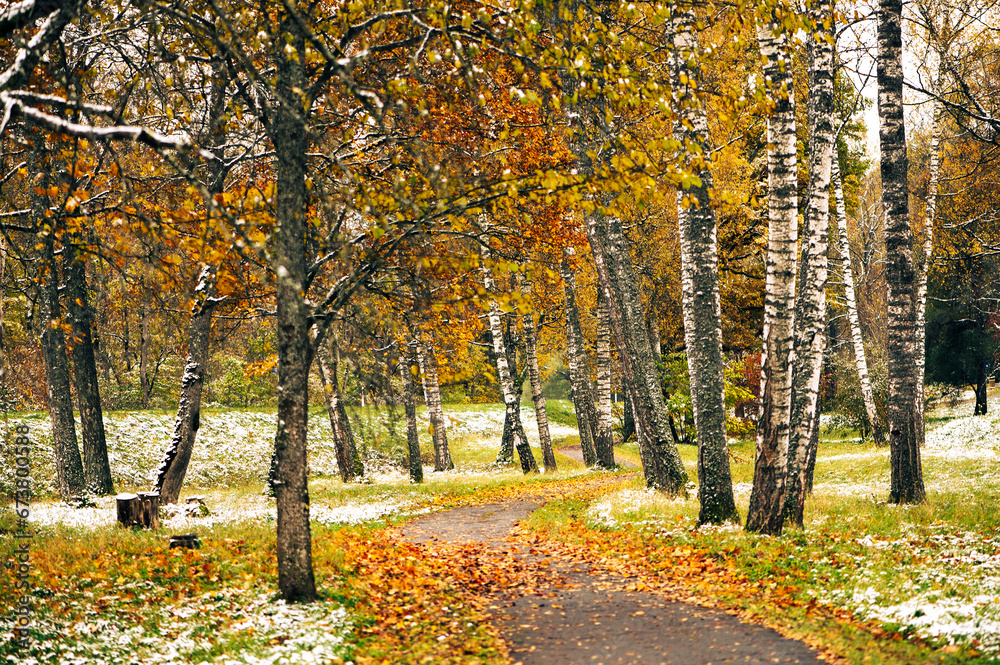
column 765, row 514
column 810, row 312
column 406, row 372
column 925, row 263
column 604, row 437
column 513, row 435
column 851, row 303
column 432, row 396
column 579, row 372
column 537, row 398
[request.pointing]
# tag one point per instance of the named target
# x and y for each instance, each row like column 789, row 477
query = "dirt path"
column 566, row 613
column 576, row 452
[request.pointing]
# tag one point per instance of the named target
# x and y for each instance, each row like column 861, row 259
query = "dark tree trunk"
column 145, row 382
column 628, row 416
column 702, row 310
column 982, row 383
column 907, row 478
column 96, row 467
column 349, row 462
column 579, row 371
column 407, row 371
column 661, row 461
column 287, row 129
column 173, row 467
column 69, row 465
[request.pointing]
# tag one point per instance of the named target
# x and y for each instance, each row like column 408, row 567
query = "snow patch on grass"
column 224, row 510
column 484, row 428
column 257, row 630
column 971, row 437
column 629, row 506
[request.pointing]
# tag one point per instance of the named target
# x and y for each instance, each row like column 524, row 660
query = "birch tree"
column 407, row 370
column 701, row 304
column 537, row 397
column 513, row 436
column 766, row 511
column 661, row 461
column 579, row 371
column 906, row 483
column 349, row 462
column 851, row 304
column 427, row 358
column 604, row 438
column 810, row 310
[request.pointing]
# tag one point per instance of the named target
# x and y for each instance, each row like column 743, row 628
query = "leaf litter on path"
column 554, row 604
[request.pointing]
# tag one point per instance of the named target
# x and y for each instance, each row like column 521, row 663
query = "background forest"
column 138, row 232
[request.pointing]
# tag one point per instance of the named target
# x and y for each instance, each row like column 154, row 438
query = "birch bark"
column 513, row 430
column 810, row 311
column 925, row 262
column 701, row 305
column 851, row 303
column 349, row 462
column 432, row 396
column 604, row 437
column 765, row 513
column 661, row 461
column 579, row 372
column 407, row 371
column 537, row 398
column 906, row 482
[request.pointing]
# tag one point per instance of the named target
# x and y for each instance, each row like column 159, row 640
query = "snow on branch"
column 26, row 57
column 20, row 14
column 145, row 135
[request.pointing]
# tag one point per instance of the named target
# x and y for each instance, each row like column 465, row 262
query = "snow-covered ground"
column 225, row 509
column 483, row 427
column 234, row 447
column 234, row 450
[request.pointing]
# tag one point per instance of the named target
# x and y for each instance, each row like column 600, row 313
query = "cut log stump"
column 128, row 509
column 150, row 515
column 186, row 540
column 140, row 510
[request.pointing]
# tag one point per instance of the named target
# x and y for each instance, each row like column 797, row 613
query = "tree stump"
column 140, row 510
column 186, row 540
column 150, row 512
column 128, row 509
